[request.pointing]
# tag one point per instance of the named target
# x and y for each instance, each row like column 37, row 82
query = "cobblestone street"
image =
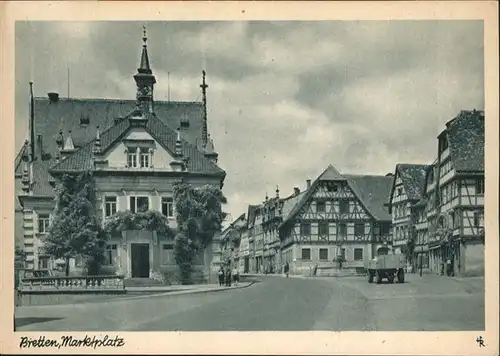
column 428, row 303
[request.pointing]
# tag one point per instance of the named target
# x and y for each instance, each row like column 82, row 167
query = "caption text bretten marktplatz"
column 70, row 341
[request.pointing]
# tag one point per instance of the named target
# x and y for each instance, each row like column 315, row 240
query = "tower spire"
column 204, row 132
column 144, row 67
column 145, row 79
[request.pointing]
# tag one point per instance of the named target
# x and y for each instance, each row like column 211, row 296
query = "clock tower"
column 145, row 80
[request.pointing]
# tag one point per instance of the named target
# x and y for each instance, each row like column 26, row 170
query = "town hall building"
column 136, row 150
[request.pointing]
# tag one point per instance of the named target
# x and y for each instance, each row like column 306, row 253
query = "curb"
column 183, row 292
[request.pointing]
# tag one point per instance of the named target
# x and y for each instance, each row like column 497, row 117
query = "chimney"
column 54, row 97
column 296, row 191
column 39, row 148
column 308, row 182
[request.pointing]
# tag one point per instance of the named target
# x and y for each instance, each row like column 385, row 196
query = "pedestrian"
column 228, row 277
column 220, row 273
column 287, row 268
column 236, row 276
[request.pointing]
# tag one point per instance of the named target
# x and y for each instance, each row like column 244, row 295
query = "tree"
column 75, row 229
column 199, row 217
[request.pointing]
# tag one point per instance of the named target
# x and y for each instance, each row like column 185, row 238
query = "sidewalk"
column 181, row 289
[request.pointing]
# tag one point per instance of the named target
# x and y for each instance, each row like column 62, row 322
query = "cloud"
column 285, row 99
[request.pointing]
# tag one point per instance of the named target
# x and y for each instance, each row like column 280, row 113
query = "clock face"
column 145, row 91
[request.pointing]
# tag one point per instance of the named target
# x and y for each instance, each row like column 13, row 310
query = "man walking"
column 236, row 276
column 228, row 277
column 220, row 273
column 287, row 269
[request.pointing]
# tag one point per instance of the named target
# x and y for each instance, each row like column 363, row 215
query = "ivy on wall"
column 150, row 220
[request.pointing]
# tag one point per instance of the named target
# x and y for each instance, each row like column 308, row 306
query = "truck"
column 386, row 266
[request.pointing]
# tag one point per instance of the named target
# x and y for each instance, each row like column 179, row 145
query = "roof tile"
column 413, row 177
column 466, row 141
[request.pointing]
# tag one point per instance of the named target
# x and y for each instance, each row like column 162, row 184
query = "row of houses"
column 434, row 214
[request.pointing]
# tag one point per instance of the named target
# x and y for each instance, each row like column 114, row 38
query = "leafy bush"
column 75, row 229
column 199, row 217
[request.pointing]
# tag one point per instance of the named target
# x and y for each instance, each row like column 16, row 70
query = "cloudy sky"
column 285, row 99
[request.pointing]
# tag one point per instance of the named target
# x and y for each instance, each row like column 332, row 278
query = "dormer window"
column 139, row 156
column 84, row 120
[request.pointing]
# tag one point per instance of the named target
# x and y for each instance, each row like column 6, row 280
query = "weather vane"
column 144, row 37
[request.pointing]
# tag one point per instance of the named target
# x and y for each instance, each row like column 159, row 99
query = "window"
column 331, row 187
column 480, row 186
column 358, row 254
column 305, row 229
column 306, row 253
column 43, row 224
column 110, row 206
column 139, row 204
column 323, row 228
column 343, row 206
column 43, row 262
column 342, row 229
column 323, row 254
column 359, row 229
column 84, row 120
column 399, row 192
column 144, row 159
column 111, row 254
column 479, row 219
column 131, row 159
column 167, row 207
column 167, row 254
column 320, row 206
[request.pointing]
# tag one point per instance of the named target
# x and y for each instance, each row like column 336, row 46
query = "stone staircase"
column 141, row 282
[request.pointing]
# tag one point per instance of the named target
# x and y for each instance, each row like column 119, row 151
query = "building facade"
column 447, row 222
column 136, row 149
column 338, row 218
column 406, row 192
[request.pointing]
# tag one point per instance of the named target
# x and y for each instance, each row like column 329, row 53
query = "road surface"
column 428, row 303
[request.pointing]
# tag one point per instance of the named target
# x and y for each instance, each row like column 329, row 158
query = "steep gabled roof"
column 331, row 173
column 66, row 114
column 251, row 215
column 465, row 135
column 371, row 191
column 289, row 203
column 413, row 179
column 82, row 159
column 426, row 178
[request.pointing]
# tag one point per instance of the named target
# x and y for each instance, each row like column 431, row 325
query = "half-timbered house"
column 406, row 192
column 136, row 150
column 337, row 215
column 454, row 192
